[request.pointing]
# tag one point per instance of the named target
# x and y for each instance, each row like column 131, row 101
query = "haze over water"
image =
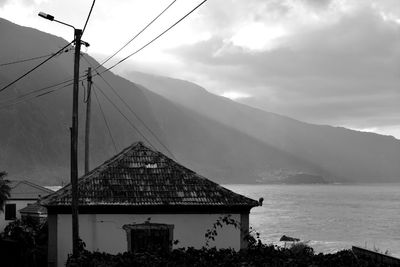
column 331, row 217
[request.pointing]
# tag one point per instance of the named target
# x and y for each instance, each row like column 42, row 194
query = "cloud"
column 318, row 3
column 24, row 2
column 3, row 2
column 345, row 71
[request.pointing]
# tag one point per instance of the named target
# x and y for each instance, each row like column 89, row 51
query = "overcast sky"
column 333, row 62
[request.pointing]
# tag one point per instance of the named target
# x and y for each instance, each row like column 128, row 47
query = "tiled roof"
column 34, row 208
column 141, row 176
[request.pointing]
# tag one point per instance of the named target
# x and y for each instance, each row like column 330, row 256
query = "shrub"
column 261, row 255
column 31, row 238
column 301, row 249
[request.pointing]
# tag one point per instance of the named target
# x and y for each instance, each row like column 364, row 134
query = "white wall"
column 104, row 232
column 20, row 204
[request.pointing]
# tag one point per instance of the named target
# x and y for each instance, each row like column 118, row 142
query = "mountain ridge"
column 288, row 134
column 218, row 138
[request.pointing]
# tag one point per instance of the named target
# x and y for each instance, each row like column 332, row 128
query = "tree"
column 4, row 189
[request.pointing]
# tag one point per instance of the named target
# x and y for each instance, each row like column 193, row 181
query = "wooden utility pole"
column 88, row 109
column 74, row 146
column 74, row 135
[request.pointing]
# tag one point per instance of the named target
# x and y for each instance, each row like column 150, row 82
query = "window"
column 10, row 212
column 149, row 237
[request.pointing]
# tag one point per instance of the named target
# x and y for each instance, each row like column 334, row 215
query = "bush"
column 260, row 255
column 30, row 237
column 301, row 249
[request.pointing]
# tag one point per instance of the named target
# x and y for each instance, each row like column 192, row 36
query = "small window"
column 149, row 237
column 10, row 212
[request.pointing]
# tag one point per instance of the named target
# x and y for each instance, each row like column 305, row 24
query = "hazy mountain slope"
column 344, row 153
column 34, row 139
column 218, row 138
column 34, row 135
column 219, row 151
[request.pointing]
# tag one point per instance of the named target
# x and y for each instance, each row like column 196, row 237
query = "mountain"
column 341, row 154
column 34, row 134
column 221, row 139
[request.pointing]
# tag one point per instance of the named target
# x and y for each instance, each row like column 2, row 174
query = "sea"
column 328, row 217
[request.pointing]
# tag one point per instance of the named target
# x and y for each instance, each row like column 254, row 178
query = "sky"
column 333, row 62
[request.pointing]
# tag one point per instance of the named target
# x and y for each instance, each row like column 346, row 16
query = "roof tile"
column 141, row 176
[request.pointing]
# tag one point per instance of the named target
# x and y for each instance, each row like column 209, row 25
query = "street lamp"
column 51, row 18
column 74, row 134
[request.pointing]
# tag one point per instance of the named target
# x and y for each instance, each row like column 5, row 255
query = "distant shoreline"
column 328, row 183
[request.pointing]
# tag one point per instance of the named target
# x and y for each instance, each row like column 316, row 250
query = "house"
column 35, row 212
column 22, row 193
column 141, row 199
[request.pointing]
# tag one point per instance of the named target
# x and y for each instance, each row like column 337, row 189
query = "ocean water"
column 329, row 217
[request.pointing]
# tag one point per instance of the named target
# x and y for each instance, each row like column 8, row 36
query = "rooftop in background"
column 21, row 189
column 142, row 177
column 33, row 209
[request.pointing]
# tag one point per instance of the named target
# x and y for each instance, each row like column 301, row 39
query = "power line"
column 123, row 115
column 134, row 37
column 30, row 59
column 34, row 68
column 41, row 89
column 136, row 116
column 154, row 39
column 28, row 96
column 34, row 91
column 87, row 19
column 131, row 110
column 105, row 121
column 32, row 97
column 24, row 60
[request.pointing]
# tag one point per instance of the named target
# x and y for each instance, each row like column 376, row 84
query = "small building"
column 35, row 212
column 141, row 199
column 22, row 193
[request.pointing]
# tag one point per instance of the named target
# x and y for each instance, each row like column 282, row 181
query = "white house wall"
column 103, row 232
column 20, row 204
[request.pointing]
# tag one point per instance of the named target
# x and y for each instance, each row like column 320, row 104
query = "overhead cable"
column 123, row 115
column 154, row 39
column 88, row 17
column 29, row 59
column 34, row 68
column 105, row 121
column 134, row 37
column 18, row 101
column 41, row 89
column 130, row 109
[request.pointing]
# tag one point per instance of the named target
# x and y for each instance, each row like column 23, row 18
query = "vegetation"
column 28, row 239
column 257, row 255
column 4, row 189
column 221, row 221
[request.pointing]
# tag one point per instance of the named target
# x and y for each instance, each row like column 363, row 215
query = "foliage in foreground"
column 257, row 255
column 29, row 238
column 4, row 189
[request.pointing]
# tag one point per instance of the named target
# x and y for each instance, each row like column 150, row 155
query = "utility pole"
column 74, row 145
column 74, row 134
column 88, row 109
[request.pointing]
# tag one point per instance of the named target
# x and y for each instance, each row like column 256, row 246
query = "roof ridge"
column 17, row 182
column 142, row 176
column 86, row 176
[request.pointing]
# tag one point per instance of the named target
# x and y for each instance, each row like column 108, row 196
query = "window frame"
column 149, row 226
column 7, row 210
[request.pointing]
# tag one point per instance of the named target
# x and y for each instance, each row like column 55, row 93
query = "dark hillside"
column 219, row 138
